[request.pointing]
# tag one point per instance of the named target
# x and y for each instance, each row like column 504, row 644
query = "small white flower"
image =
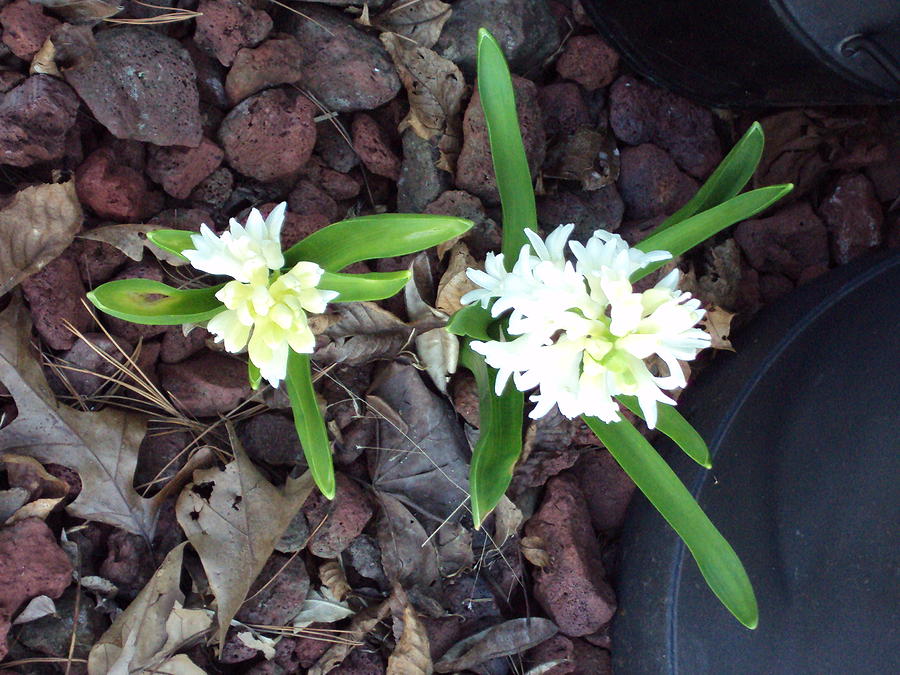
column 581, row 335
column 265, row 312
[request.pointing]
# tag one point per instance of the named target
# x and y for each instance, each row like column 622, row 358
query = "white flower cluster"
column 579, row 332
column 265, row 309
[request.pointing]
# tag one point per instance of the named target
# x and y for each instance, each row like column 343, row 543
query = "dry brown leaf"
column 409, row 556
column 717, row 323
column 412, row 655
column 233, row 518
column 435, row 88
column 131, row 239
column 36, row 226
column 510, row 637
column 438, row 349
column 534, row 550
column 587, row 156
column 362, row 624
column 320, row 606
column 43, row 61
column 82, row 11
column 332, row 575
column 508, row 518
column 42, row 491
column 420, row 21
column 455, row 284
column 138, row 635
column 101, row 446
column 363, row 332
column 180, row 664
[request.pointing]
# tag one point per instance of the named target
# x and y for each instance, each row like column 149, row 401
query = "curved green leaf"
column 253, row 375
column 715, row 557
column 727, row 180
column 361, row 287
column 309, row 423
column 385, row 235
column 498, row 101
column 700, row 227
column 471, row 321
column 672, row 424
column 173, row 241
column 154, row 303
column 500, row 440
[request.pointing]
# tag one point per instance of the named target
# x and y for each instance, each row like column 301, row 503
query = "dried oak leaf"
column 419, row 21
column 36, row 226
column 101, row 446
column 717, row 323
column 412, row 655
column 437, row 348
column 131, row 239
column 82, row 11
column 145, row 636
column 510, row 637
column 535, row 551
column 435, row 88
column 233, row 517
column 360, row 332
column 361, row 625
column 409, row 556
column 455, row 284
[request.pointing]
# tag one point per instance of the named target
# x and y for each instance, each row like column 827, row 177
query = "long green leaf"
column 385, row 235
column 309, row 423
column 500, row 440
column 672, row 424
column 498, row 101
column 700, row 227
column 717, row 561
column 361, row 287
column 471, row 321
column 154, row 303
column 727, row 180
column 173, row 241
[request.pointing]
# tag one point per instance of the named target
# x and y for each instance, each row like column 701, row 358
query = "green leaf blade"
column 729, row 178
column 514, row 183
column 471, row 321
column 700, row 227
column 154, row 303
column 500, row 442
column 309, row 423
column 364, row 287
column 173, row 241
column 672, row 424
column 718, row 563
column 386, row 235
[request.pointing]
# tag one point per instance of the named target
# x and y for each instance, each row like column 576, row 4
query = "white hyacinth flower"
column 580, row 333
column 265, row 309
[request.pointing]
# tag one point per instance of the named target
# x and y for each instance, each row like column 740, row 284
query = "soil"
column 250, row 104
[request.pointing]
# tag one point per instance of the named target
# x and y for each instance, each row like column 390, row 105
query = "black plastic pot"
column 803, row 425
column 760, row 52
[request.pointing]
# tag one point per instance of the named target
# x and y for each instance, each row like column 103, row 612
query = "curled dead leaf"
column 419, row 21
column 717, row 323
column 36, row 225
column 358, row 332
column 82, row 11
column 438, row 349
column 131, row 239
column 587, row 156
column 533, row 548
column 361, row 625
column 44, row 60
column 412, row 655
column 332, row 575
column 455, row 284
column 435, row 88
column 510, row 637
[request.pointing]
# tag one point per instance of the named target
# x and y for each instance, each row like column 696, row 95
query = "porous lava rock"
column 589, row 61
column 789, row 242
column 563, row 108
column 345, row 68
column 56, row 295
column 31, row 564
column 137, row 82
column 572, row 589
column 270, row 135
column 853, row 217
column 651, row 184
column 277, row 593
column 373, row 148
column 179, row 170
column 641, row 113
column 275, row 61
column 525, row 30
column 206, row 385
column 25, row 27
column 337, row 522
column 224, row 26
column 475, row 168
column 35, row 120
column 115, row 191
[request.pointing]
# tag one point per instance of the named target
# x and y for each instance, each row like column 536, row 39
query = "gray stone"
column 421, row 182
